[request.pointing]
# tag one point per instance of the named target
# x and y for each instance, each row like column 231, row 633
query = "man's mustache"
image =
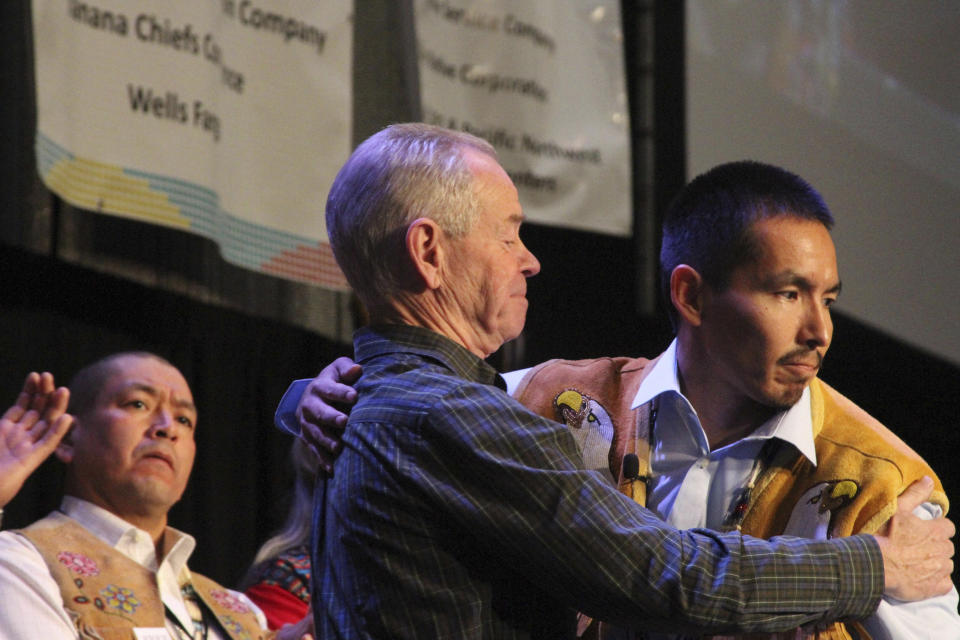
column 802, row 356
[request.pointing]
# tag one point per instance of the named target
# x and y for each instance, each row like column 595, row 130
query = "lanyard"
column 197, row 613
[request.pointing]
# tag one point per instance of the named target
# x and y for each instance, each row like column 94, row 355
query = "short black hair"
column 707, row 226
column 87, row 383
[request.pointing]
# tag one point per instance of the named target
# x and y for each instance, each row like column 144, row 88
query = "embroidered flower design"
column 229, row 601
column 78, row 563
column 120, row 598
column 233, row 626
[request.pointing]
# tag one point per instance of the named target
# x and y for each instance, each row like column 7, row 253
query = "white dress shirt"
column 694, row 487
column 31, row 606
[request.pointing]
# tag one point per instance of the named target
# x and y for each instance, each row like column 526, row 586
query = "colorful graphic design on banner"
column 227, row 119
column 544, row 83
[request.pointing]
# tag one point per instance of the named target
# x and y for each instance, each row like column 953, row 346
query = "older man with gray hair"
column 456, row 512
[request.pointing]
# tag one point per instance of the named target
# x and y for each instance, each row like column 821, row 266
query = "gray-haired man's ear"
column 425, row 249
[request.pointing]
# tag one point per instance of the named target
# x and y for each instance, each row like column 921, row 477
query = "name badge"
column 151, row 633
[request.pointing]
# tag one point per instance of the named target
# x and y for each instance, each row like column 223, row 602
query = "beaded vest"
column 861, row 466
column 107, row 595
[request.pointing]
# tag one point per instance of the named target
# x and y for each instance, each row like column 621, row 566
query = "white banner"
column 544, row 83
column 225, row 118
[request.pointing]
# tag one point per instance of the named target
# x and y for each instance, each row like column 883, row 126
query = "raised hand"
column 30, row 430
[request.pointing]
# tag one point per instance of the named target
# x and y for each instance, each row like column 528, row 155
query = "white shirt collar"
column 795, row 425
column 134, row 543
column 662, row 378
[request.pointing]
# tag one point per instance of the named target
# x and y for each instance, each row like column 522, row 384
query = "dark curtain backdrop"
column 233, row 333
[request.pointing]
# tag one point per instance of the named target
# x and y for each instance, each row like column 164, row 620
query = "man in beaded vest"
column 106, row 565
column 730, row 427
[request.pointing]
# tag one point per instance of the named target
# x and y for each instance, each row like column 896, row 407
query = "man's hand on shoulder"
column 324, row 406
column 917, row 554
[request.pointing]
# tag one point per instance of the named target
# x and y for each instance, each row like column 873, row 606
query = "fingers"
column 15, row 413
column 34, row 396
column 317, row 403
column 318, row 438
column 325, row 448
column 57, row 402
column 42, row 388
column 39, row 412
column 347, row 370
column 322, row 410
column 21, row 414
column 56, row 421
column 917, row 553
column 31, row 383
column 52, row 435
column 938, row 547
column 916, row 494
column 38, row 398
column 45, row 384
column 333, row 382
column 44, row 395
column 314, row 411
column 321, row 426
column 948, row 531
column 331, row 387
column 330, row 391
column 934, row 579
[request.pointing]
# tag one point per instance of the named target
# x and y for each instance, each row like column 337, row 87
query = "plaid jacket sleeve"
column 516, row 480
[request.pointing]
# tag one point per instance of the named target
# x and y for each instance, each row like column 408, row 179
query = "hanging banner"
column 543, row 82
column 228, row 119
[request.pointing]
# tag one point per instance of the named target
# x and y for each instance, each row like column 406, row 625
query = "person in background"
column 279, row 580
